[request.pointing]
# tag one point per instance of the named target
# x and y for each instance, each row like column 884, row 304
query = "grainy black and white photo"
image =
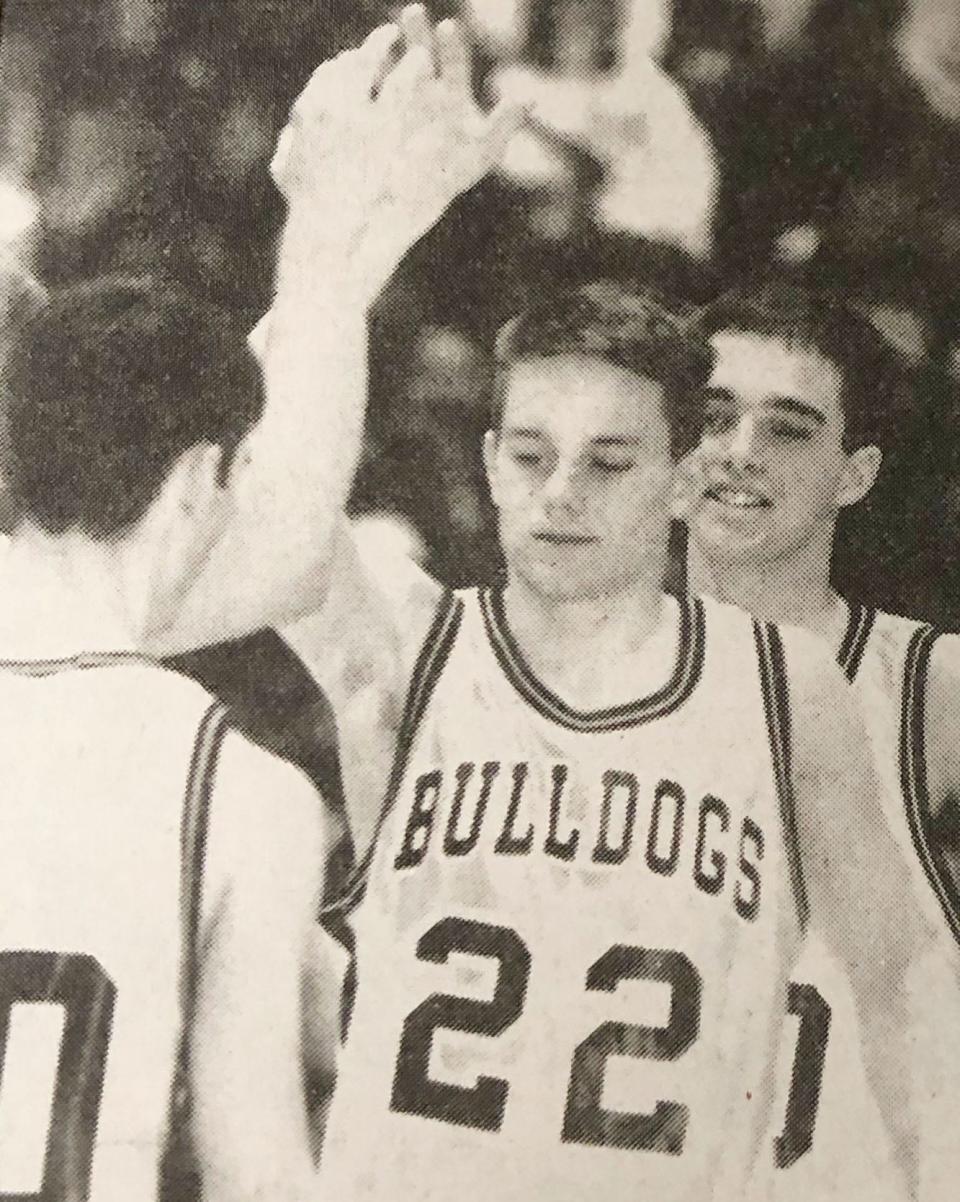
column 479, row 559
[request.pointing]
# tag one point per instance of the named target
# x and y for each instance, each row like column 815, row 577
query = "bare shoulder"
column 402, row 584
column 376, row 614
column 942, row 720
column 945, row 666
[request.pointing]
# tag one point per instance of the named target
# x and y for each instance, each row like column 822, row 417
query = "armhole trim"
column 913, row 774
column 431, row 661
column 178, row 1164
column 776, row 704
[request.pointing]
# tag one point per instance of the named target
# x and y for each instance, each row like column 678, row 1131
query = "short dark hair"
column 635, row 331
column 107, row 384
column 872, row 377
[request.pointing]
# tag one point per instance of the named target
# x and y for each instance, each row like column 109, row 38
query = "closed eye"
column 792, row 432
column 612, row 466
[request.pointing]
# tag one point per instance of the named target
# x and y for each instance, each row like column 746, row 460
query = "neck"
column 795, row 589
column 68, row 595
column 619, row 619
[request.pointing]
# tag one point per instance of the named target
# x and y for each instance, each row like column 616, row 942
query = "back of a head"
column 635, row 331
column 107, row 383
column 825, row 322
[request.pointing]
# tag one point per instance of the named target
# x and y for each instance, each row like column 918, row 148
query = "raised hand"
column 660, row 167
column 381, row 142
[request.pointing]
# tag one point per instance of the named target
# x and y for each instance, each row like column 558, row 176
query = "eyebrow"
column 615, row 440
column 800, row 408
column 785, row 404
column 522, row 432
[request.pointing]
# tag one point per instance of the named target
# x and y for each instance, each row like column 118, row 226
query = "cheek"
column 645, row 500
column 811, row 482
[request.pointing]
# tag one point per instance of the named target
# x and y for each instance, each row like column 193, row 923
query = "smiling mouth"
column 737, row 498
column 558, row 538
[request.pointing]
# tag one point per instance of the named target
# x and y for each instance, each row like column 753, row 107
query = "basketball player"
column 793, row 434
column 161, row 874
column 610, row 817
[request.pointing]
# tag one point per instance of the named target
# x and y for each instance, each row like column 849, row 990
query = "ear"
column 490, row 443
column 859, row 475
column 188, row 496
column 193, row 481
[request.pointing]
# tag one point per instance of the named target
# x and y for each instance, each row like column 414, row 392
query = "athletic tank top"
column 844, row 1151
column 573, row 931
column 107, row 765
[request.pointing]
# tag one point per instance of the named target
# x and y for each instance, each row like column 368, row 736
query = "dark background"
column 143, row 129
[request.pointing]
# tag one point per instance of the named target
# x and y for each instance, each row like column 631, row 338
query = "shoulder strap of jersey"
column 776, row 704
column 432, row 658
column 913, row 775
column 179, row 1175
column 855, row 639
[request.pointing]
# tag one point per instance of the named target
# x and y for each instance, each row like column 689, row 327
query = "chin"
column 555, row 584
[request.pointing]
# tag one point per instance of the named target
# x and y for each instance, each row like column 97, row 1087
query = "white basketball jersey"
column 106, row 771
column 844, row 1151
column 574, row 931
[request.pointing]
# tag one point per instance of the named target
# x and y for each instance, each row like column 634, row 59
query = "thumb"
column 506, row 120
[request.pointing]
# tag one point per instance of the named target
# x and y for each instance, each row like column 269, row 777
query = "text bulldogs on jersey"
column 629, row 827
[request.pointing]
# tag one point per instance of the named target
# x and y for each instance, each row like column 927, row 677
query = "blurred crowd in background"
column 682, row 143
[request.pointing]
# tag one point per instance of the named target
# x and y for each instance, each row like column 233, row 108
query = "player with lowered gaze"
column 611, row 817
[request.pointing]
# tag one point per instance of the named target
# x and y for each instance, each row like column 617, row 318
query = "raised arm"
column 378, row 146
column 863, row 902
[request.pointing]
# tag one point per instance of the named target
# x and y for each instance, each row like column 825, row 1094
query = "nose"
column 740, row 447
column 562, row 490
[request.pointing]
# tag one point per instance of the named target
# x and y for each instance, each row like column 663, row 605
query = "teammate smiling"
column 794, row 430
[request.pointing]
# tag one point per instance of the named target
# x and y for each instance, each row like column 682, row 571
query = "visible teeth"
column 743, row 500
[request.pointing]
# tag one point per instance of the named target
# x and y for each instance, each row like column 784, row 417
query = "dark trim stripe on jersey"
column 776, row 704
column 913, row 774
column 686, row 673
column 432, row 659
column 855, row 639
column 178, row 1170
column 83, row 662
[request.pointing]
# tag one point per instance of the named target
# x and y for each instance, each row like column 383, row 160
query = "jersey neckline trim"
column 855, row 638
column 686, row 673
column 74, row 663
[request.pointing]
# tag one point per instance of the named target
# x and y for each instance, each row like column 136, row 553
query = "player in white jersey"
column 157, row 867
column 793, row 436
column 161, row 875
column 574, row 926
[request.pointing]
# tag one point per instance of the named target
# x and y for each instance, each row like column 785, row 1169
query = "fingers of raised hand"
column 406, row 83
column 343, row 82
column 453, row 58
column 417, row 29
column 498, row 128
